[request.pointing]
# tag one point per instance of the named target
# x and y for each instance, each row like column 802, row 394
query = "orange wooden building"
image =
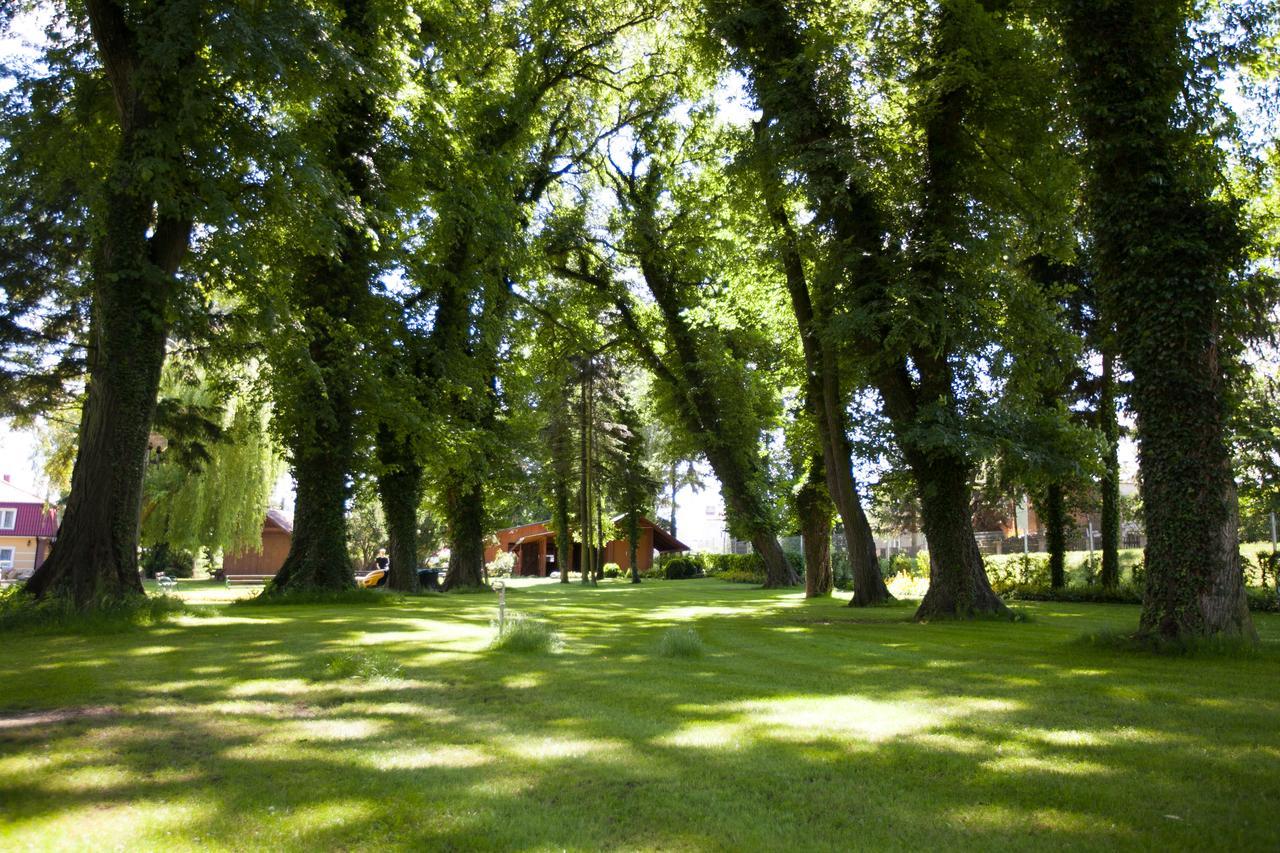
column 277, row 536
column 536, row 555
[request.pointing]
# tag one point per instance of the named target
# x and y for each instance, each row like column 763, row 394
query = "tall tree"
column 885, row 254
column 174, row 152
column 1167, row 247
column 825, row 399
column 331, row 294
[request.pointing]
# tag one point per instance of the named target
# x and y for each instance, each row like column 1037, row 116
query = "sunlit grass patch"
column 368, row 664
column 680, row 643
column 519, row 633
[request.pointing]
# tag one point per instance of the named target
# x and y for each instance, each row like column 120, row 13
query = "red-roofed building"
column 28, row 526
column 535, row 548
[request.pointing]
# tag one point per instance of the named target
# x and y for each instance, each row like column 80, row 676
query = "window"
column 6, row 557
column 8, row 518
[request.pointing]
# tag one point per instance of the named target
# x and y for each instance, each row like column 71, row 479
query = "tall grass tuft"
column 526, row 636
column 367, row 664
column 20, row 613
column 680, row 643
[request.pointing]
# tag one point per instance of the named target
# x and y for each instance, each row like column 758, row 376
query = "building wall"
column 275, row 547
column 24, row 552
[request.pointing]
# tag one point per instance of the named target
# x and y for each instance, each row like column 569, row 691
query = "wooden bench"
column 248, row 580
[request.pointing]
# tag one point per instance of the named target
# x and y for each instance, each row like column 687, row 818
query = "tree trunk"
column 95, row 557
column 318, row 557
column 564, row 535
column 1055, row 519
column 958, row 584
column 825, row 403
column 675, row 472
column 1110, row 427
column 777, row 569
column 633, row 543
column 814, row 509
column 1166, row 248
column 400, row 488
column 465, row 507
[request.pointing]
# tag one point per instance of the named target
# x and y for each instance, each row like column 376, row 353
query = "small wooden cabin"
column 277, row 537
column 536, row 555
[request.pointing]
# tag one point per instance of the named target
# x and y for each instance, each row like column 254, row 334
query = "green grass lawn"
column 800, row 725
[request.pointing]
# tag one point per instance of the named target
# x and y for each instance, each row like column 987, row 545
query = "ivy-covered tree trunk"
column 1166, row 245
column 564, row 534
column 137, row 254
column 400, row 491
column 1055, row 521
column 464, row 506
column 330, row 290
column 825, row 402
column 1110, row 428
column 633, row 543
column 958, row 584
column 814, row 509
column 318, row 558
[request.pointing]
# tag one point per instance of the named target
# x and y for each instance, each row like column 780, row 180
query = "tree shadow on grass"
column 796, row 729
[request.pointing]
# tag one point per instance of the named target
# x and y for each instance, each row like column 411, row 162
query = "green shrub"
column 367, row 664
column 680, row 568
column 612, row 570
column 922, row 564
column 525, row 636
column 680, row 643
column 162, row 558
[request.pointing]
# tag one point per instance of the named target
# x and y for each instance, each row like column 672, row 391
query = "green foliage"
column 162, row 558
column 612, row 570
column 680, row 643
column 524, row 635
column 680, row 568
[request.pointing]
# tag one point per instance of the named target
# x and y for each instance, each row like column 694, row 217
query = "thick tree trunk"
column 400, row 490
column 958, row 584
column 814, row 509
column 1166, row 248
column 318, row 558
column 465, row 507
column 777, row 570
column 1055, row 519
column 1110, row 575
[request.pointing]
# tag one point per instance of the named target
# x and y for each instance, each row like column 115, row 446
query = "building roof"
column 662, row 540
column 279, row 519
column 34, row 516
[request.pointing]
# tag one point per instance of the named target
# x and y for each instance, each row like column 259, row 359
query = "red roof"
column 34, row 516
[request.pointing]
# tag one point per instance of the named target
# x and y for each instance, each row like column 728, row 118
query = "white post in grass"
column 502, row 605
column 1091, row 543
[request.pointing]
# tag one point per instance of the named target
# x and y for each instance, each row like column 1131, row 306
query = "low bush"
column 612, row 570
column 680, row 643
column 525, row 636
column 367, row 664
column 680, row 568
